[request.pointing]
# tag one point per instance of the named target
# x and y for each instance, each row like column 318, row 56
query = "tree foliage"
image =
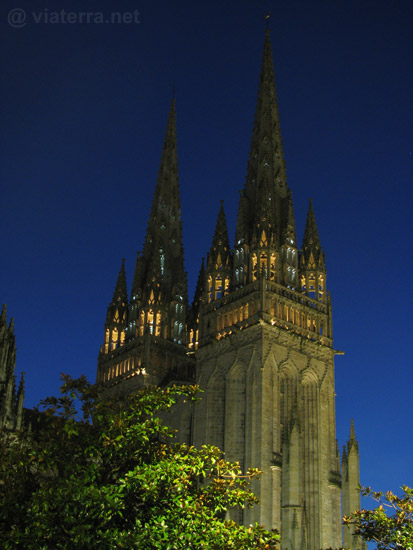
column 107, row 474
column 391, row 524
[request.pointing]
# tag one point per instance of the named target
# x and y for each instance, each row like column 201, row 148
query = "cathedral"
column 257, row 339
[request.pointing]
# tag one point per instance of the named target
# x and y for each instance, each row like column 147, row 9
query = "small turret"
column 218, row 268
column 194, row 312
column 350, row 474
column 313, row 273
column 154, row 332
column 117, row 314
column 159, row 290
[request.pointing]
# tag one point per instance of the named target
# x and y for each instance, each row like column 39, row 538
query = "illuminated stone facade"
column 257, row 338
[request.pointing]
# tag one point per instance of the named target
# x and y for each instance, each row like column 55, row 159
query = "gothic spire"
column 352, row 442
column 3, row 317
column 352, row 432
column 219, row 259
column 311, row 238
column 118, row 308
column 121, row 292
column 266, row 183
column 220, row 241
column 312, row 260
column 164, row 233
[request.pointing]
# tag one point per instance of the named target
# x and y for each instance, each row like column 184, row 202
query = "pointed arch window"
column 218, row 287
column 158, row 323
column 303, row 283
column 114, row 338
column 162, row 260
column 272, row 267
column 264, row 241
column 142, row 323
column 311, row 285
column 106, row 340
column 321, row 286
column 263, row 263
column 178, row 327
column 254, row 267
column 150, row 320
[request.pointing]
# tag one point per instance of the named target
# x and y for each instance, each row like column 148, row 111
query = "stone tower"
column 259, row 333
column 145, row 338
column 11, row 399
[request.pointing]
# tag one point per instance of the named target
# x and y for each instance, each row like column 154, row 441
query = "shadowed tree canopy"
column 119, row 480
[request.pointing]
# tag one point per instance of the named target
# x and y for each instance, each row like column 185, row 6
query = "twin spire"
column 265, row 215
column 160, row 268
column 159, row 290
column 262, row 204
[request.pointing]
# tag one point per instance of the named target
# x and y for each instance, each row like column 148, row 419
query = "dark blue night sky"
column 84, row 109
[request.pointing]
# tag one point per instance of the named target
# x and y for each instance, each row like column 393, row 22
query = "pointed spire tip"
column 352, row 431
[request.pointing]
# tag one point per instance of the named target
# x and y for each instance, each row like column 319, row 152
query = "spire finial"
column 266, row 182
column 311, row 237
column 267, row 19
column 352, row 432
column 121, row 292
